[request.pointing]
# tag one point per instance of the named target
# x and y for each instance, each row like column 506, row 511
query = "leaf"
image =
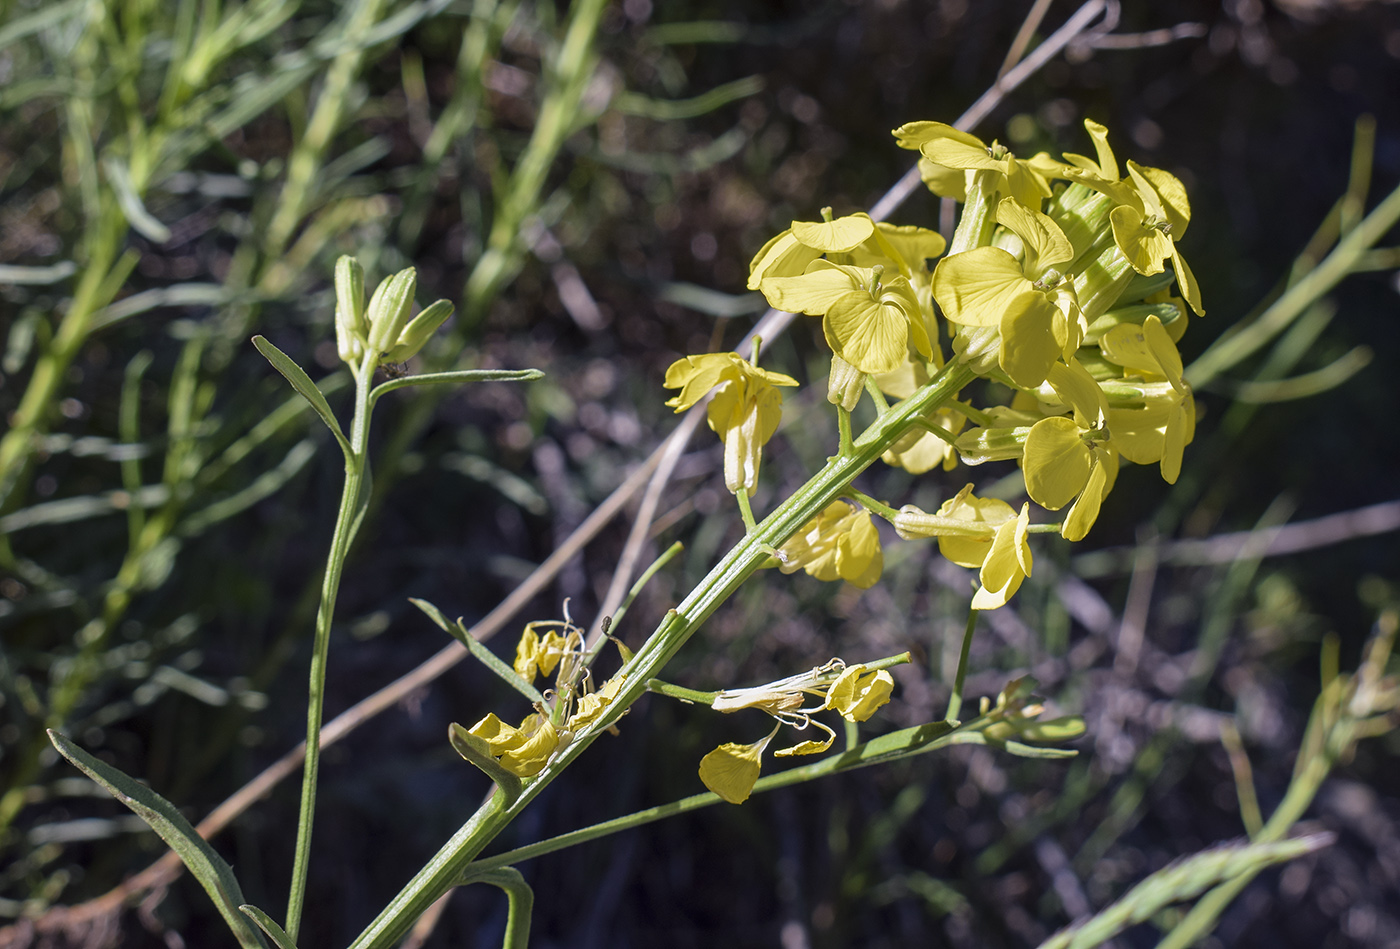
column 268, row 925
column 141, row 220
column 478, row 649
column 458, row 376
column 212, row 872
column 475, row 751
column 305, row 388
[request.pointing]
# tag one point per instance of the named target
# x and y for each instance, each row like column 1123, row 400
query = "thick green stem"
column 346, row 523
column 446, row 867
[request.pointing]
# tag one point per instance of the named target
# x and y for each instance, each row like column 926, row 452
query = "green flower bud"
column 1166, row 312
column 419, row 330
column 389, row 309
column 351, row 329
column 1099, row 285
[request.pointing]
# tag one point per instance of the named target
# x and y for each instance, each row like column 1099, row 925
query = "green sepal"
column 269, row 926
column 204, row 863
column 305, row 387
column 419, row 330
column 389, row 309
column 477, row 753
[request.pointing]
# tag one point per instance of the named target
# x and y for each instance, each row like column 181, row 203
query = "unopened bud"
column 389, row 309
column 419, row 330
column 351, row 329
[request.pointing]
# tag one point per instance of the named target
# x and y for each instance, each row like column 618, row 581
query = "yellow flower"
column 536, row 654
column 947, row 147
column 868, row 320
column 1152, row 213
column 981, row 533
column 1028, row 300
column 592, row 705
column 522, row 751
column 1165, row 424
column 744, row 413
column 1067, row 459
column 840, row 543
column 731, row 770
column 856, row 694
column 789, row 253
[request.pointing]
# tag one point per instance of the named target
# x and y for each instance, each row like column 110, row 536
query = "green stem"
column 955, row 700
column 879, row 507
column 882, row 404
column 843, row 419
column 346, row 524
column 445, row 868
column 520, row 898
column 745, row 510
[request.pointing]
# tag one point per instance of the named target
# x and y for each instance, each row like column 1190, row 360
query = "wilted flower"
column 840, row 543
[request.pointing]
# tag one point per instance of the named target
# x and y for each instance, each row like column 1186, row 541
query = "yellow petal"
column 976, row 287
column 783, row 256
column 697, row 375
column 914, row 135
column 1028, row 344
column 529, row 758
column 809, row 747
column 1144, row 247
column 1173, row 195
column 869, row 334
column 857, row 693
column 1108, row 165
column 1073, row 384
column 1085, row 511
column 527, row 655
column 859, row 559
column 1186, row 281
column 960, row 154
column 1046, row 245
column 1057, row 463
column 1007, row 565
column 813, row 292
column 731, row 770
column 835, row 237
column 499, row 736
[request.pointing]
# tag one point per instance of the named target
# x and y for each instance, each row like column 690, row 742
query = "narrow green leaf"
column 478, row 649
column 305, row 387
column 520, row 900
column 1034, row 751
column 212, row 872
column 268, row 925
column 458, row 376
column 43, row 18
column 37, row 276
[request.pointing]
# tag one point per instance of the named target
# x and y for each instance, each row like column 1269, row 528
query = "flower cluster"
column 1056, row 284
column 567, row 708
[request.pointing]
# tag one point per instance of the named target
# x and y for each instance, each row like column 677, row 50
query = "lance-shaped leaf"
column 305, row 387
column 211, row 870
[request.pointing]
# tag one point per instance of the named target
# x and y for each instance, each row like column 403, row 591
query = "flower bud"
column 389, row 309
column 1102, row 282
column 351, row 328
column 845, row 384
column 419, row 330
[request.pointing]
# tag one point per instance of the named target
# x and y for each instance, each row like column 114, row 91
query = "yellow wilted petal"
column 1057, row 463
column 835, row 237
column 783, row 256
column 1144, row 247
column 527, row 655
column 529, row 758
column 731, row 770
column 857, row 693
column 859, row 559
column 809, row 747
column 499, row 736
column 976, row 287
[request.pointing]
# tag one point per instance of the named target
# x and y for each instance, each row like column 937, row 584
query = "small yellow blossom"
column 840, row 543
column 522, row 751
column 1068, row 459
column 857, row 693
column 789, row 253
column 1161, row 429
column 592, row 705
column 948, row 147
column 536, row 654
column 744, row 413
